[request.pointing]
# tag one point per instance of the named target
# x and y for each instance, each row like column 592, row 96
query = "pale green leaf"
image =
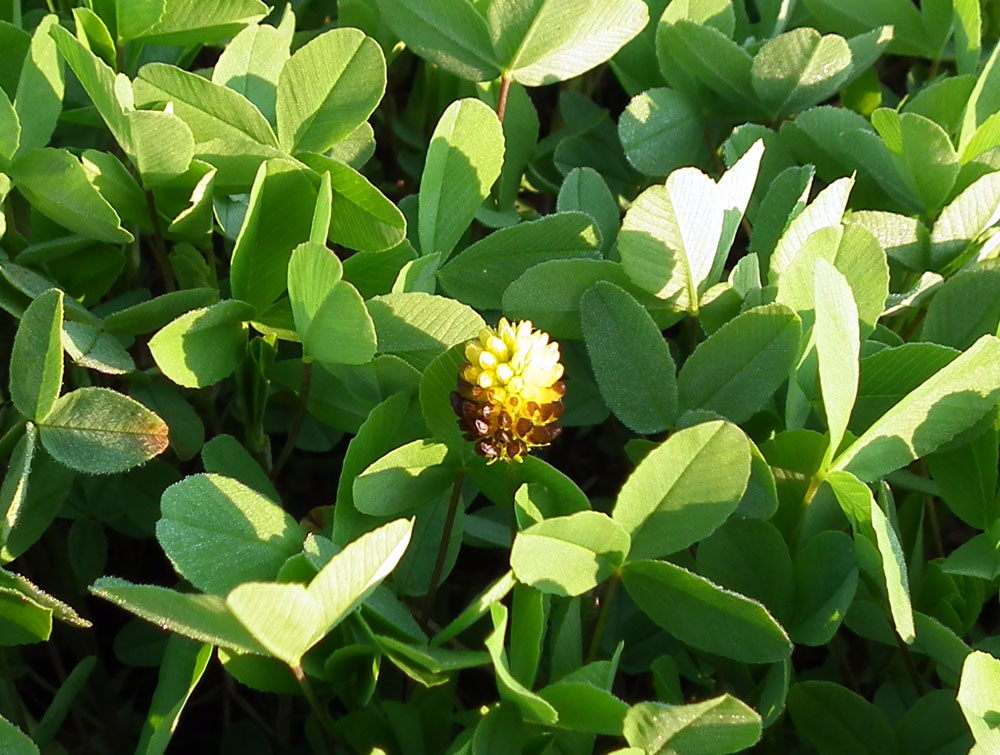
column 714, row 727
column 327, row 89
column 631, row 361
column 100, row 431
column 838, row 346
column 950, row 401
column 204, row 345
column 218, row 533
column 703, row 615
column 684, row 489
column 569, row 555
column 540, row 43
column 200, row 617
column 54, row 181
column 463, row 161
column 36, row 360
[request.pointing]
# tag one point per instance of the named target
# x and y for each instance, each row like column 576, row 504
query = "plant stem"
column 502, row 102
column 911, row 666
column 442, row 556
column 159, row 245
column 297, row 420
column 322, row 714
column 935, row 527
column 814, row 485
column 602, row 618
column 11, row 437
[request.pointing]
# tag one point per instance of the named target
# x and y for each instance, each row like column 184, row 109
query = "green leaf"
column 856, row 254
column 403, row 479
column 894, row 572
column 968, row 35
column 14, row 491
column 977, row 696
column 799, row 69
column 163, row 145
column 826, row 577
column 56, row 184
column 984, row 101
column 22, row 621
column 183, row 664
column 36, row 361
column 740, row 366
column 218, row 533
column 279, row 218
column 450, row 33
column 951, row 400
column 529, row 622
column 330, row 316
column 966, row 477
column 99, row 431
column 964, row 308
column 825, row 211
column 935, row 723
column 684, row 489
column 631, row 361
column 229, row 132
column 224, row 455
column 185, row 22
column 890, row 374
column 203, row 346
column 704, row 615
column 670, row 235
column 147, row 316
column 721, row 725
column 549, row 294
column 14, row 741
column 569, row 555
column 837, row 721
column 838, row 346
column 10, row 132
column 251, row 65
column 661, row 130
column 199, row 617
column 540, row 43
column 89, row 347
column 363, row 218
column 480, row 273
column 532, row 707
column 785, row 198
column 38, row 101
column 584, row 707
column 964, row 219
column 37, row 491
column 463, row 162
column 922, row 152
column 710, row 58
column 348, row 579
column 284, row 618
column 857, row 16
column 420, row 327
column 111, row 96
column 288, row 619
column 584, row 190
column 327, row 89
column 749, row 556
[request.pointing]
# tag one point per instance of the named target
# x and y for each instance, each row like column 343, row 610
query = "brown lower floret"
column 505, row 429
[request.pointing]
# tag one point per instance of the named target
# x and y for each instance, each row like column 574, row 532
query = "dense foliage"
column 254, row 261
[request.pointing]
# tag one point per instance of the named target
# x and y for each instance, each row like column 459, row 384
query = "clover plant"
column 485, row 377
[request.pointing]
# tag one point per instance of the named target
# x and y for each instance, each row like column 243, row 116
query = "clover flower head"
column 510, row 390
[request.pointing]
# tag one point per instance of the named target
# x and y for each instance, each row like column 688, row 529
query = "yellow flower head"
column 509, row 396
